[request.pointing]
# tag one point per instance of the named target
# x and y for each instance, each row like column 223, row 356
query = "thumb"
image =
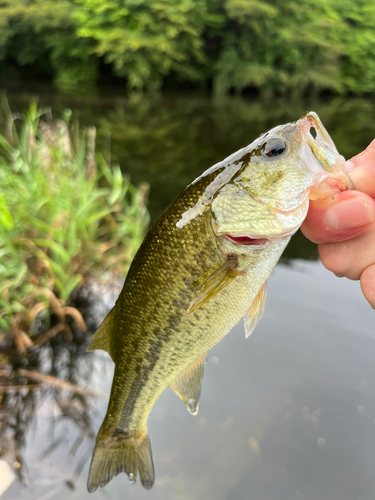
column 361, row 169
column 339, row 218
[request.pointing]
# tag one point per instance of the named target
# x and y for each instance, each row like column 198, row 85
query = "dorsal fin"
column 255, row 311
column 102, row 337
column 189, row 385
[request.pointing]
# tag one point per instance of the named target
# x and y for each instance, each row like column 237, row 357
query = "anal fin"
column 255, row 311
column 218, row 280
column 189, row 385
column 102, row 337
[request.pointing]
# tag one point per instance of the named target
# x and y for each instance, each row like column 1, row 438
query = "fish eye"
column 276, row 146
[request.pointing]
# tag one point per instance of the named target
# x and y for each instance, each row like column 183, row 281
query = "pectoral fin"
column 218, row 280
column 189, row 385
column 255, row 311
column 102, row 337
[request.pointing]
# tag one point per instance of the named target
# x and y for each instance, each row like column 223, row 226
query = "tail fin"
column 129, row 454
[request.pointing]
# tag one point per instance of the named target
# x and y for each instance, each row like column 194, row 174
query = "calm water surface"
column 288, row 413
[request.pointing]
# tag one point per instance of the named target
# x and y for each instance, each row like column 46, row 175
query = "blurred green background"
column 280, row 46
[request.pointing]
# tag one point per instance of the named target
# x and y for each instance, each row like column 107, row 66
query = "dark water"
column 287, row 414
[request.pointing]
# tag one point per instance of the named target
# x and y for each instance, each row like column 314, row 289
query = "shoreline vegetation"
column 67, row 217
column 70, row 223
column 279, row 47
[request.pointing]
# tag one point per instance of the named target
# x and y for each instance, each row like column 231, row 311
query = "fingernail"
column 349, row 214
column 349, row 166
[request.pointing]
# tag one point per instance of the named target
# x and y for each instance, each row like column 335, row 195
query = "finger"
column 349, row 258
column 361, row 169
column 339, row 217
column 368, row 284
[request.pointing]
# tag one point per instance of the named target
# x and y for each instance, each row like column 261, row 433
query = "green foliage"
column 146, row 39
column 355, row 32
column 65, row 216
column 288, row 45
column 275, row 46
column 36, row 30
column 278, row 46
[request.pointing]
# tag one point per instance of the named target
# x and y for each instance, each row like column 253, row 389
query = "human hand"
column 344, row 227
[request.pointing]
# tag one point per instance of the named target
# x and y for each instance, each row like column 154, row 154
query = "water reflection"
column 169, row 140
column 53, row 383
column 52, row 399
column 287, row 414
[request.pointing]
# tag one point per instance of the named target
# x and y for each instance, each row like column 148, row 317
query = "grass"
column 65, row 216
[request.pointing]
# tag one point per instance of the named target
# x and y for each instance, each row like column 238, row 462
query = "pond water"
column 288, row 413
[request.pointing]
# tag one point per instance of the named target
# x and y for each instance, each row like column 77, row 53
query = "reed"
column 66, row 216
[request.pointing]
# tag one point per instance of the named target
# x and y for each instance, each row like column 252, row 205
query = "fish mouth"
column 310, row 124
column 256, row 241
column 246, row 240
column 330, row 165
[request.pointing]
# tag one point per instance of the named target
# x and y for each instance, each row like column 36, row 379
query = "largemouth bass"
column 202, row 267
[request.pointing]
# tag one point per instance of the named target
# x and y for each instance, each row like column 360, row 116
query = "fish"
column 202, row 267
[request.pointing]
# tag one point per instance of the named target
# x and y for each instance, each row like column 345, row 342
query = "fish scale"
column 201, row 268
column 214, row 322
column 146, row 317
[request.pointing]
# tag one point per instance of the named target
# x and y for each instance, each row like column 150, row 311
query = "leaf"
column 59, row 250
column 5, row 218
column 99, row 215
column 71, row 285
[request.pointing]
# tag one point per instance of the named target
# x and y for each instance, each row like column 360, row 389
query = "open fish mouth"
column 331, row 177
column 252, row 240
column 245, row 240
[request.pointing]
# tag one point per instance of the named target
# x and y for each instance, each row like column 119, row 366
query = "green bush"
column 65, row 216
column 278, row 46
